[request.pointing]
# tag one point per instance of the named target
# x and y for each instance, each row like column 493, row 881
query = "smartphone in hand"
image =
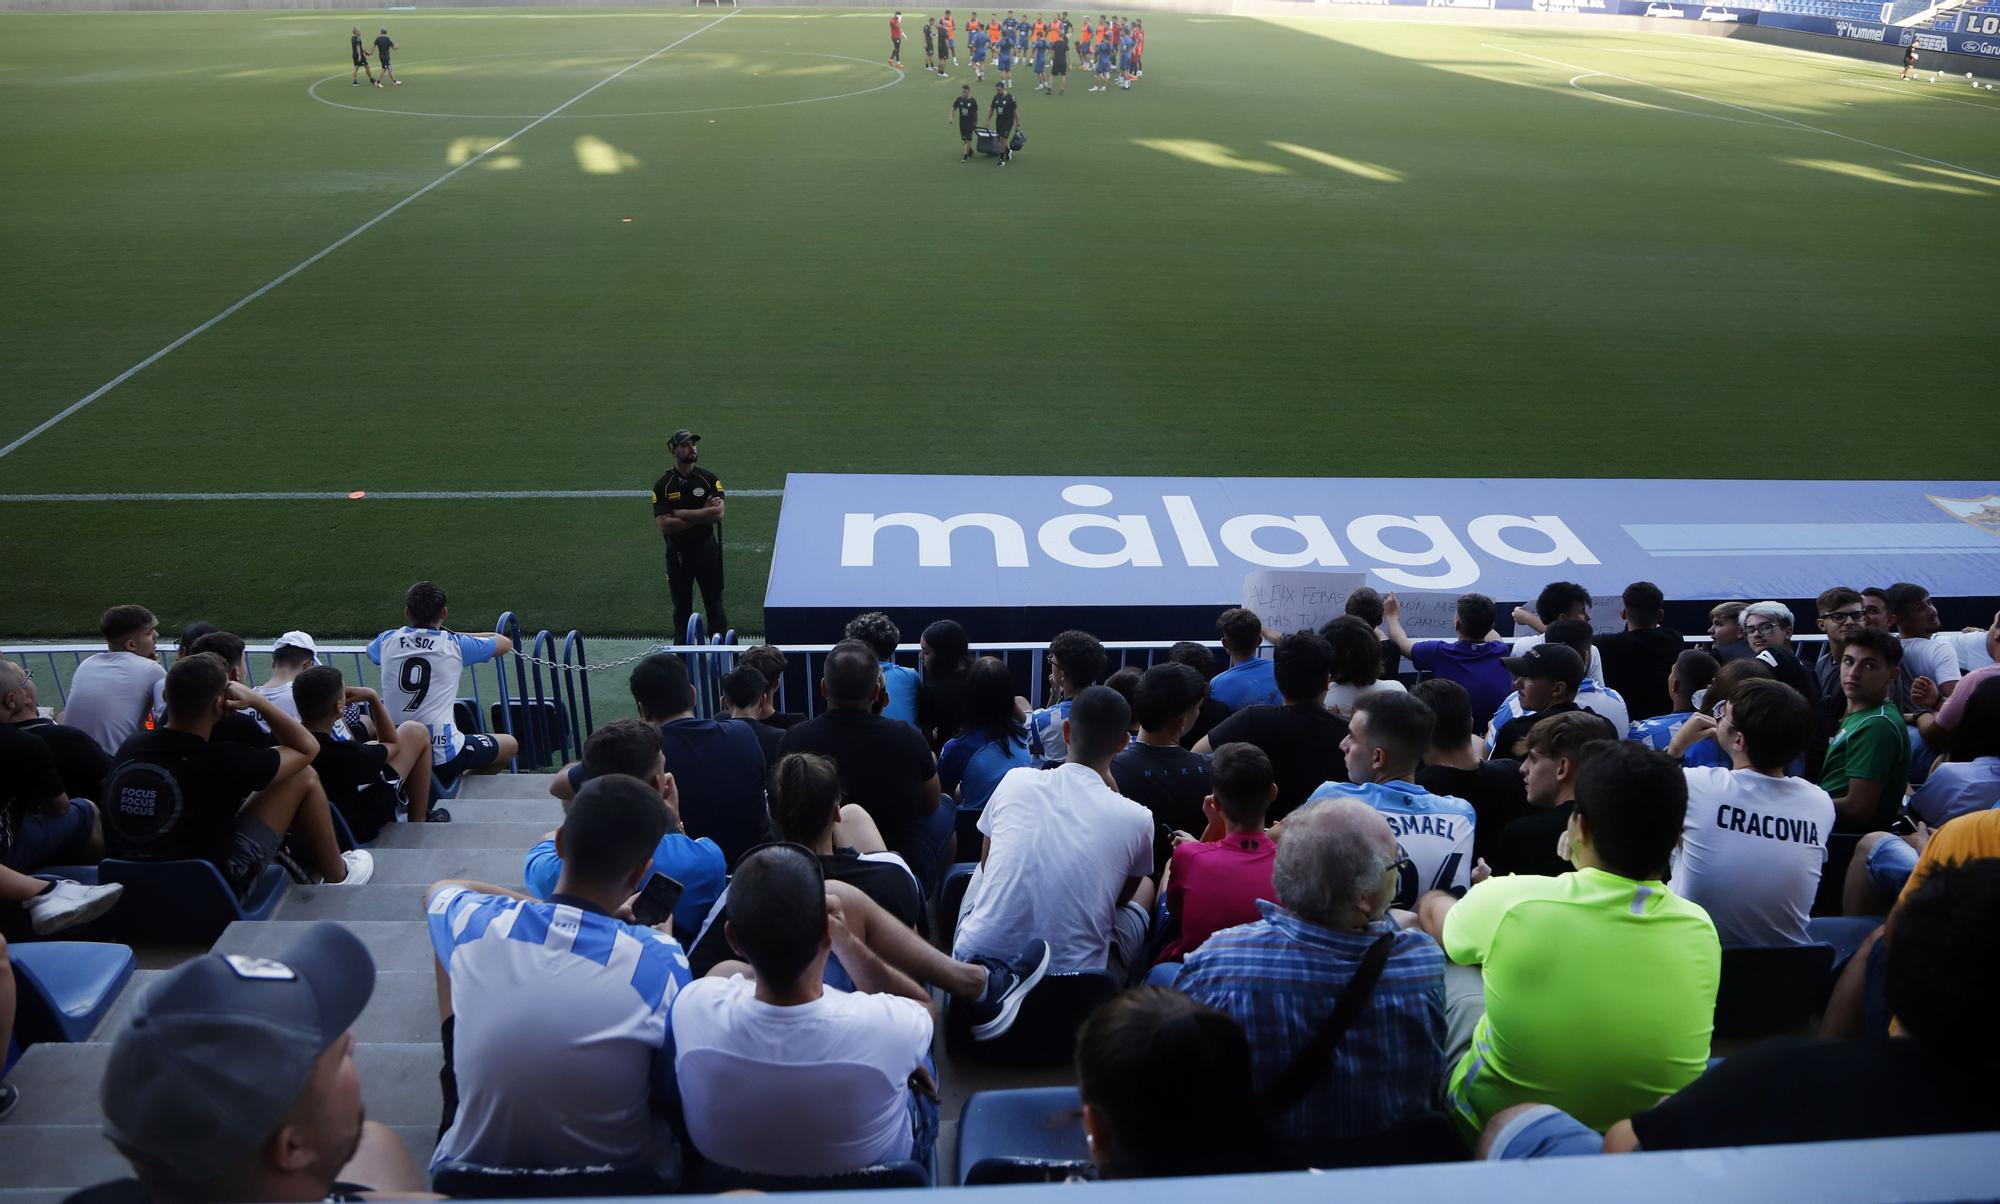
column 657, row 900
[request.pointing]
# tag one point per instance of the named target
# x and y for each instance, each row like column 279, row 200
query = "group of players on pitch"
column 1113, row 49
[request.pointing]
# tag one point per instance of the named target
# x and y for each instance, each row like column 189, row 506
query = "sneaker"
column 440, row 816
column 1007, row 985
column 69, row 904
column 10, row 1099
column 355, row 82
column 360, row 868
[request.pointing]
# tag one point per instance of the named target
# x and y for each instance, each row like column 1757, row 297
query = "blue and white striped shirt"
column 1279, row 978
column 560, row 1035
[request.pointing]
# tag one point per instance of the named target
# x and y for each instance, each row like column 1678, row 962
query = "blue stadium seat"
column 1769, row 990
column 905, row 1173
column 951, row 895
column 475, row 1181
column 67, row 987
column 1044, row 1033
column 185, row 902
column 86, row 874
column 1031, row 1135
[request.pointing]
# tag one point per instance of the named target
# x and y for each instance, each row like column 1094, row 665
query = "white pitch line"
column 387, row 495
column 1745, row 109
column 350, row 236
column 1970, row 104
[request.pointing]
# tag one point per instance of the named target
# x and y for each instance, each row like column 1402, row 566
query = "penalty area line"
column 364, row 495
column 330, row 248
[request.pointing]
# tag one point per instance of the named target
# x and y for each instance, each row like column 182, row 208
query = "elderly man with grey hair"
column 1768, row 628
column 1337, row 869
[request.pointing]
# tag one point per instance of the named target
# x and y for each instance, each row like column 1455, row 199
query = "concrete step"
column 421, row 867
column 33, row 1195
column 403, row 945
column 540, row 809
column 59, row 1083
column 403, row 1009
column 469, row 833
column 376, row 901
column 505, row 786
column 44, row 1158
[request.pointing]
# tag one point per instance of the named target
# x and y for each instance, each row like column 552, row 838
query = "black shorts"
column 251, row 847
column 478, row 753
column 1004, row 131
column 1061, row 68
column 360, row 62
column 385, row 62
column 967, row 130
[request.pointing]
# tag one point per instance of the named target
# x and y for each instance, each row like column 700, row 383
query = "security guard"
column 688, row 506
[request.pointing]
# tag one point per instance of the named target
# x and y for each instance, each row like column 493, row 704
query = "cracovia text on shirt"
column 1770, row 827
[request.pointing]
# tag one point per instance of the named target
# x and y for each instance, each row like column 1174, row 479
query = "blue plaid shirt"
column 1279, row 978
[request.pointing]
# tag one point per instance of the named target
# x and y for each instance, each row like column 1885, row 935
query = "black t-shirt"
column 720, row 773
column 356, row 39
column 1302, row 740
column 1495, row 790
column 1507, row 741
column 884, row 764
column 1797, row 1090
column 770, row 738
column 1636, row 664
column 967, row 109
column 359, row 784
column 784, row 721
column 79, row 762
column 1061, row 47
column 1169, row 782
column 1788, row 668
column 28, row 780
column 885, row 882
column 1003, row 111
column 1213, row 711
column 927, row 39
column 215, row 777
column 383, row 46
column 689, row 490
column 941, row 706
column 237, row 727
column 1528, row 845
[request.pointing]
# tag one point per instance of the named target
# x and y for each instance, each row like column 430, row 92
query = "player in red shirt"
column 896, row 41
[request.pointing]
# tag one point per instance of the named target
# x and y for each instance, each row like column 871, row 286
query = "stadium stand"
column 1011, row 1110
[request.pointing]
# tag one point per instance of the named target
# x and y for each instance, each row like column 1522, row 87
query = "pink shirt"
column 1215, row 886
column 1954, row 707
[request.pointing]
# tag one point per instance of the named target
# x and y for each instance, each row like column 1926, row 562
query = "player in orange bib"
column 949, row 43
column 1085, row 39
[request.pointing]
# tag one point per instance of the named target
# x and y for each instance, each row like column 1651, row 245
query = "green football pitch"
column 1298, row 247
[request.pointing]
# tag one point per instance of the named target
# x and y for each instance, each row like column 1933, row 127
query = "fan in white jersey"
column 421, row 666
column 1384, row 745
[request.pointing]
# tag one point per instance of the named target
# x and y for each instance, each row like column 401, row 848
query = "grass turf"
column 1306, row 246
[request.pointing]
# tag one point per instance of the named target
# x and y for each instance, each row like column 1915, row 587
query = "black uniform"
column 927, row 41
column 968, row 116
column 360, row 56
column 1003, row 113
column 382, row 48
column 1061, row 47
column 694, row 556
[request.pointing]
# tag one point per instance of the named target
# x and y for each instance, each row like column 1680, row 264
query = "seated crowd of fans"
column 1481, row 907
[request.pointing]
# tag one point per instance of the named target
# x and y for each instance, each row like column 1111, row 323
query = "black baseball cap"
column 220, row 1049
column 681, row 436
column 1559, row 661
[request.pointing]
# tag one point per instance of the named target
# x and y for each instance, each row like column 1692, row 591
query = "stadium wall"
column 1961, row 49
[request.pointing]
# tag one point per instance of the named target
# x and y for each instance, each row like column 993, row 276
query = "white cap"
column 297, row 639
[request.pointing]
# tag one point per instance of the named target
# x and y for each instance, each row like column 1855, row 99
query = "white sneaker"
column 69, row 904
column 360, row 868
